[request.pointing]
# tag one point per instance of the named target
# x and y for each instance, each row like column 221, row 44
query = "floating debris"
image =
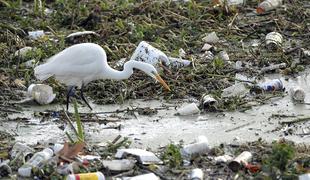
column 36, row 34
column 273, row 40
column 23, row 51
column 196, row 174
column 208, row 102
column 149, row 54
column 240, row 160
column 21, row 149
column 268, row 5
column 119, row 165
column 211, row 38
column 273, row 85
column 297, row 94
column 238, row 89
column 41, row 93
column 149, row 176
column 229, row 2
column 36, row 160
column 143, row 156
column 188, row 109
column 179, row 63
column 201, row 146
column 86, row 176
column 206, row 47
column 273, row 67
column 224, row 56
column 223, row 159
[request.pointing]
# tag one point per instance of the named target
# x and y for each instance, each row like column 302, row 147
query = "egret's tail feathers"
column 41, row 72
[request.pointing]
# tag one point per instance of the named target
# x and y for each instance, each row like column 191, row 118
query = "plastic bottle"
column 273, row 85
column 192, row 150
column 268, row 5
column 36, row 160
column 86, row 176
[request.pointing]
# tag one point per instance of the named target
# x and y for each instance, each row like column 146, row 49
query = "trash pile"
column 217, row 53
column 188, row 161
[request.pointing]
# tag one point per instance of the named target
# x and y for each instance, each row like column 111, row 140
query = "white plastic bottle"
column 36, row 160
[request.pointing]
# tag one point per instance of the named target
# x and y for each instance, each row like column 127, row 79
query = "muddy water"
column 165, row 127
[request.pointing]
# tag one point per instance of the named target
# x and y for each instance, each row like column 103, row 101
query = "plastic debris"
column 268, row 5
column 211, row 38
column 188, row 109
column 143, row 156
column 21, row 149
column 57, row 148
column 36, row 34
column 178, row 62
column 81, row 33
column 35, row 161
column 149, row 54
column 182, row 53
column 273, row 85
column 30, row 64
column 208, row 55
column 201, row 146
column 297, row 94
column 41, row 93
column 229, row 2
column 196, row 174
column 224, row 56
column 223, row 159
column 206, row 47
column 23, row 51
column 149, row 176
column 304, row 177
column 208, row 102
column 5, row 169
column 86, row 176
column 238, row 89
column 273, row 67
column 273, row 40
column 306, row 53
column 119, row 165
column 240, row 160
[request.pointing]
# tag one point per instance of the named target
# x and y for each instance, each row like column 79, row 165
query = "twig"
column 238, row 127
column 298, row 120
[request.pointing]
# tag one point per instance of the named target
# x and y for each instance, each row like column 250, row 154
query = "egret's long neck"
column 111, row 73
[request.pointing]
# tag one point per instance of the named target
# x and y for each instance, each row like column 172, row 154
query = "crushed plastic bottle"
column 188, row 109
column 35, row 161
column 238, row 89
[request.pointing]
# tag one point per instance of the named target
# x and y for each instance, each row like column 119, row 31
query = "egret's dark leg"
column 69, row 93
column 84, row 99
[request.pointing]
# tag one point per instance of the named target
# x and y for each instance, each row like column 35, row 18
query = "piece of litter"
column 143, row 156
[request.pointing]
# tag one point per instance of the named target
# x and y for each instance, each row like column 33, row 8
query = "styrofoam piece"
column 211, row 38
column 119, row 165
column 297, row 94
column 143, row 156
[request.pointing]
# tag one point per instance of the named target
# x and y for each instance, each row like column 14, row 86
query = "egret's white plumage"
column 82, row 63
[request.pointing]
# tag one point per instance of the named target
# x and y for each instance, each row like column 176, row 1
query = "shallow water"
column 165, row 127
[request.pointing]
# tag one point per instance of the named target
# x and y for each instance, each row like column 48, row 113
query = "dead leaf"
column 70, row 151
column 19, row 83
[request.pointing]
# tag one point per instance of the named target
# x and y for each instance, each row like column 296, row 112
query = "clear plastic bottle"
column 36, row 160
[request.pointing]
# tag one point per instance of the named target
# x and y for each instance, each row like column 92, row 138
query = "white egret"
column 80, row 64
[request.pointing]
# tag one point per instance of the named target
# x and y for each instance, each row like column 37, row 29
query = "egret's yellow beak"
column 162, row 82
